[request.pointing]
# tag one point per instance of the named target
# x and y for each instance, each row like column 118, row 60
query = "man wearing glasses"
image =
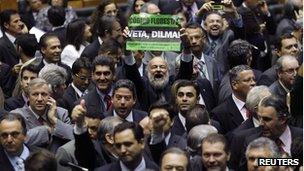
column 12, row 148
column 286, row 68
column 81, row 75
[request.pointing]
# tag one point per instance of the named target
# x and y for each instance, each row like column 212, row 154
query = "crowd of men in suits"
column 218, row 104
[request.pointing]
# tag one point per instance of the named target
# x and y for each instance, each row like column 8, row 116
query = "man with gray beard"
column 157, row 83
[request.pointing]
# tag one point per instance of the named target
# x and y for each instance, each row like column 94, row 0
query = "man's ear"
column 278, row 52
column 109, row 138
column 233, row 84
column 6, row 25
column 42, row 50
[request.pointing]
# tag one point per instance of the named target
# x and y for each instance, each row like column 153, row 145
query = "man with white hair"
column 195, row 137
column 157, row 84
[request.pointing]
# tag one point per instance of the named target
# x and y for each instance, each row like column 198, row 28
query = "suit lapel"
column 237, row 118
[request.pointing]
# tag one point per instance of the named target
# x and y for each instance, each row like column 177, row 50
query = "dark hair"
column 277, row 103
column 186, row 83
column 136, row 129
column 42, row 160
column 162, row 104
column 44, row 38
column 81, row 63
column 196, row 116
column 5, row 17
column 56, row 16
column 235, row 71
column 239, row 53
column 125, row 83
column 64, row 4
column 194, row 25
column 105, row 25
column 31, row 68
column 104, row 61
column 283, row 37
column 28, row 43
column 110, row 45
column 14, row 117
column 75, row 32
column 214, row 138
column 211, row 12
column 175, row 150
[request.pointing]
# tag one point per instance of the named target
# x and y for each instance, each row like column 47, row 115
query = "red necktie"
column 108, row 101
column 280, row 144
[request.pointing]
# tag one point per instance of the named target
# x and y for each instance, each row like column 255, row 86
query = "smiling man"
column 98, row 100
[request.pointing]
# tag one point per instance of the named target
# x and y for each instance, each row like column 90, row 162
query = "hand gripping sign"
column 154, row 32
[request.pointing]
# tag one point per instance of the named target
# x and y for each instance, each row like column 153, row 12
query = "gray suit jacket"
column 66, row 153
column 38, row 135
column 277, row 89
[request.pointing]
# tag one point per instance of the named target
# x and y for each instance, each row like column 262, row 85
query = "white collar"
column 183, row 120
column 239, row 103
column 36, row 115
column 285, row 88
column 10, row 37
column 140, row 167
column 100, row 40
column 286, row 139
column 77, row 90
column 256, row 123
column 129, row 118
column 167, row 138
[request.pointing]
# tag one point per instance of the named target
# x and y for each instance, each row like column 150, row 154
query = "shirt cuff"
column 186, row 57
column 79, row 130
column 129, row 59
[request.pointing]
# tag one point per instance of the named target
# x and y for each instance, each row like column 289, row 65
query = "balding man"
column 287, row 67
column 156, row 84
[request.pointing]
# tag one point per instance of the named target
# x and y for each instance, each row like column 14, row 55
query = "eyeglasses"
column 291, row 71
column 13, row 134
column 82, row 78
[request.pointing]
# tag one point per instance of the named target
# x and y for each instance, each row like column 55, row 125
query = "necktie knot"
column 41, row 120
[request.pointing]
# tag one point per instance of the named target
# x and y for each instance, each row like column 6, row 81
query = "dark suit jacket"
column 138, row 115
column 159, row 148
column 94, row 103
column 228, row 115
column 7, row 82
column 207, row 93
column 8, row 53
column 91, row 51
column 177, row 127
column 5, row 164
column 14, row 103
column 146, row 93
column 70, row 97
column 268, row 77
column 116, row 166
column 242, row 139
column 66, row 67
column 277, row 89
